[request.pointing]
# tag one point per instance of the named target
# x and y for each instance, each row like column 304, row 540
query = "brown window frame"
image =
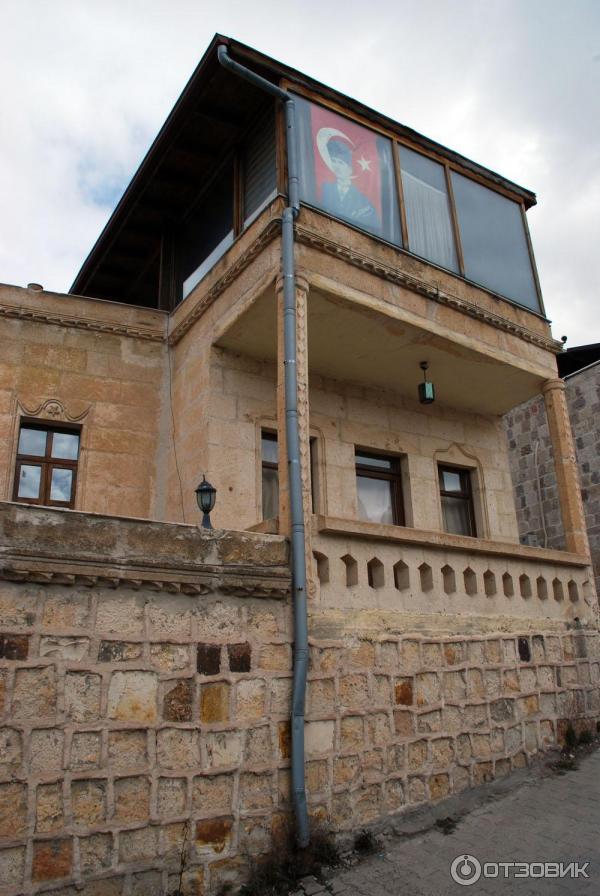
column 394, row 475
column 465, row 494
column 47, row 463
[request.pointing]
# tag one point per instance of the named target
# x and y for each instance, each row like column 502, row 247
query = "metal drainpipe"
column 293, row 443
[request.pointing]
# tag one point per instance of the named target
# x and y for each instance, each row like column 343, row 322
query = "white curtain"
column 374, row 500
column 428, row 219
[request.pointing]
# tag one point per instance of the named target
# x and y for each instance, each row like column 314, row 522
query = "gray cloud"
column 510, row 84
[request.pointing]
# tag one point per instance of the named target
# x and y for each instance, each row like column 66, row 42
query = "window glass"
column 270, row 451
column 494, row 243
column 379, row 488
column 32, row 441
column 259, row 167
column 375, row 500
column 457, row 501
column 61, row 484
column 270, row 493
column 369, row 460
column 206, row 233
column 270, row 474
column 451, row 481
column 347, row 170
column 29, row 481
column 427, row 209
column 314, row 480
column 65, row 445
column 456, row 516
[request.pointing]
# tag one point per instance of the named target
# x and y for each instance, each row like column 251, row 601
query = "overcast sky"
column 512, row 84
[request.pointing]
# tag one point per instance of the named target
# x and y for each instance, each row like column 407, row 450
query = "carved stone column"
column 565, row 463
column 303, row 413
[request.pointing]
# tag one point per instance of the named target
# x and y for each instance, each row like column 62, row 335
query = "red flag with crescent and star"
column 361, row 143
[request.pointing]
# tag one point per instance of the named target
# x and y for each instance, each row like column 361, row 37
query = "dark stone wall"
column 532, row 464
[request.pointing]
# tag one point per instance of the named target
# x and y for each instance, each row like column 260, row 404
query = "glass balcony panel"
column 494, row 243
column 427, row 208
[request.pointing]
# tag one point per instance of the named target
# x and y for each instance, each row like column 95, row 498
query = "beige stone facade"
column 145, row 702
column 143, row 706
column 95, row 364
column 145, row 665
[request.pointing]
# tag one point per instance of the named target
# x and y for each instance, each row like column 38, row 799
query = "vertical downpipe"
column 293, row 444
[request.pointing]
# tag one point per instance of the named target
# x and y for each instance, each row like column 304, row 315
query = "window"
column 494, row 243
column 240, row 189
column 379, row 488
column 457, row 501
column 351, row 172
column 46, row 468
column 270, row 474
column 347, row 170
column 427, row 209
column 259, row 168
column 207, row 233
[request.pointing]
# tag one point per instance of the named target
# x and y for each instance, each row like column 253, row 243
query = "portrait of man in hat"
column 341, row 198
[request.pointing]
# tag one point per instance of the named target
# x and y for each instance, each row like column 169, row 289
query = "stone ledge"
column 83, row 313
column 327, row 525
column 64, row 547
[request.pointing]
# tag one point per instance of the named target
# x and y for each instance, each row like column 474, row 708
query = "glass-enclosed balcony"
column 220, row 160
column 414, row 201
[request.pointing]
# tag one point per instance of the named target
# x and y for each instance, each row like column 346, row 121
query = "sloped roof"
column 213, row 111
column 578, row 358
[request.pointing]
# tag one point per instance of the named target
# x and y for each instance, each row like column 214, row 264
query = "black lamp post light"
column 426, row 389
column 206, row 495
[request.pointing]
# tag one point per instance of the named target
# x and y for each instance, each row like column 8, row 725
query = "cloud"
column 512, row 85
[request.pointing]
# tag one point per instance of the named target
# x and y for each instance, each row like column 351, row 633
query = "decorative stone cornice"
column 209, row 581
column 266, row 236
column 394, row 275
column 81, row 323
column 46, row 546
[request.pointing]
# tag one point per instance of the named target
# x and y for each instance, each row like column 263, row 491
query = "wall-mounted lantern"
column 206, row 495
column 426, row 389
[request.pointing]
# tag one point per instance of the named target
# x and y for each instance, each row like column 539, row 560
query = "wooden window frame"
column 465, row 494
column 47, row 463
column 394, row 475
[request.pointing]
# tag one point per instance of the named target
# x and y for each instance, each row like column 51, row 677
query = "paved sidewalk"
column 547, row 819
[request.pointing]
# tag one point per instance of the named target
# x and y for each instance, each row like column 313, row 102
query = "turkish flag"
column 334, row 135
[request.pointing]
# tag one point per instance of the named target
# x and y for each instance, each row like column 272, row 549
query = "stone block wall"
column 145, row 705
column 532, row 464
column 133, row 720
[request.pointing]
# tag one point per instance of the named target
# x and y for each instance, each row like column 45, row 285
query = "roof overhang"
column 210, row 116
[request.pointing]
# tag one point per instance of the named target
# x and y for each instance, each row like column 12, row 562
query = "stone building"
column 532, row 461
column 146, row 664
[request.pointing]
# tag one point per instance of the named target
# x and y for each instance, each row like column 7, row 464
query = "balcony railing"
column 366, row 566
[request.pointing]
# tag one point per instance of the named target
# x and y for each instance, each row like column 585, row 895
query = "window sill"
column 326, row 525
